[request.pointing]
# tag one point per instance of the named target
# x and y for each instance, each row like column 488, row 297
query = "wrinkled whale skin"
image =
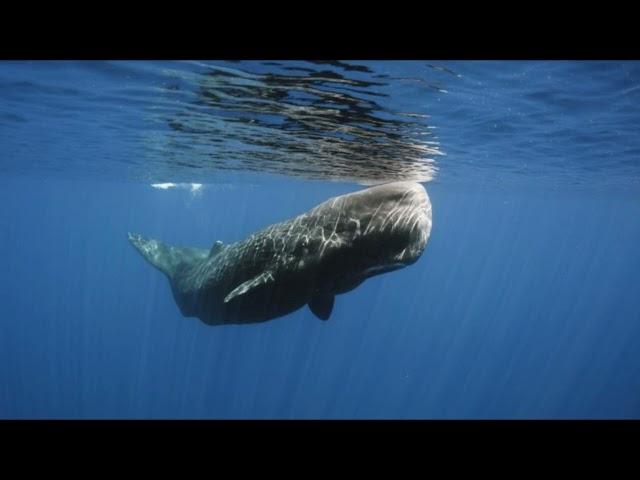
column 329, row 250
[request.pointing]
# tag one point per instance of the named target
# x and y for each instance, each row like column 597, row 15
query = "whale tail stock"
column 164, row 257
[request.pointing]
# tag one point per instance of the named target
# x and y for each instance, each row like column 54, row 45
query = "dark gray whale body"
column 328, row 250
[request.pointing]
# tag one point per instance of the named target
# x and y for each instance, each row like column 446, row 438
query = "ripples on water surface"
column 562, row 123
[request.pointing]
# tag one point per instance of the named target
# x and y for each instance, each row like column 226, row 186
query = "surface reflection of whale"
column 328, row 250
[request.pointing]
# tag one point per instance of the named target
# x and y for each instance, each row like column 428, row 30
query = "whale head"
column 383, row 228
column 395, row 221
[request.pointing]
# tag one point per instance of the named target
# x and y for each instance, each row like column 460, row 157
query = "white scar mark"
column 400, row 256
column 334, row 239
column 357, row 222
column 401, row 215
column 373, row 217
column 399, row 207
column 293, row 225
column 415, row 222
column 428, row 218
column 335, row 226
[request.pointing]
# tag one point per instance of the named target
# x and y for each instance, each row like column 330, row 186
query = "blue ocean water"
column 525, row 303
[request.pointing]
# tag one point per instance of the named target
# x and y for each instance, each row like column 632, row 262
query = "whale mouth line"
column 389, row 267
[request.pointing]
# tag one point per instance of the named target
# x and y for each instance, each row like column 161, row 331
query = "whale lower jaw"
column 378, row 269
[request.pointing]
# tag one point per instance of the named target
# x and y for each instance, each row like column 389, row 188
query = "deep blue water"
column 525, row 303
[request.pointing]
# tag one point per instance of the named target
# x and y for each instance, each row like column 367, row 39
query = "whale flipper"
column 322, row 306
column 262, row 279
column 164, row 257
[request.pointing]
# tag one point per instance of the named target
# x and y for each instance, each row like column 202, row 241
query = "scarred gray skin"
column 328, row 250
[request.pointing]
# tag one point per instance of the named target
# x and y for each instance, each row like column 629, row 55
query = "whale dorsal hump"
column 216, row 248
column 322, row 305
column 257, row 281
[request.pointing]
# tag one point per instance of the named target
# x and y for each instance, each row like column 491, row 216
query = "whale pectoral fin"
column 263, row 278
column 322, row 306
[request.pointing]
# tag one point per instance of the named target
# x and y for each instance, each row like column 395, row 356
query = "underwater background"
column 525, row 303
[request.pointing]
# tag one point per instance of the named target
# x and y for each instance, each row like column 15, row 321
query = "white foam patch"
column 163, row 186
column 194, row 188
